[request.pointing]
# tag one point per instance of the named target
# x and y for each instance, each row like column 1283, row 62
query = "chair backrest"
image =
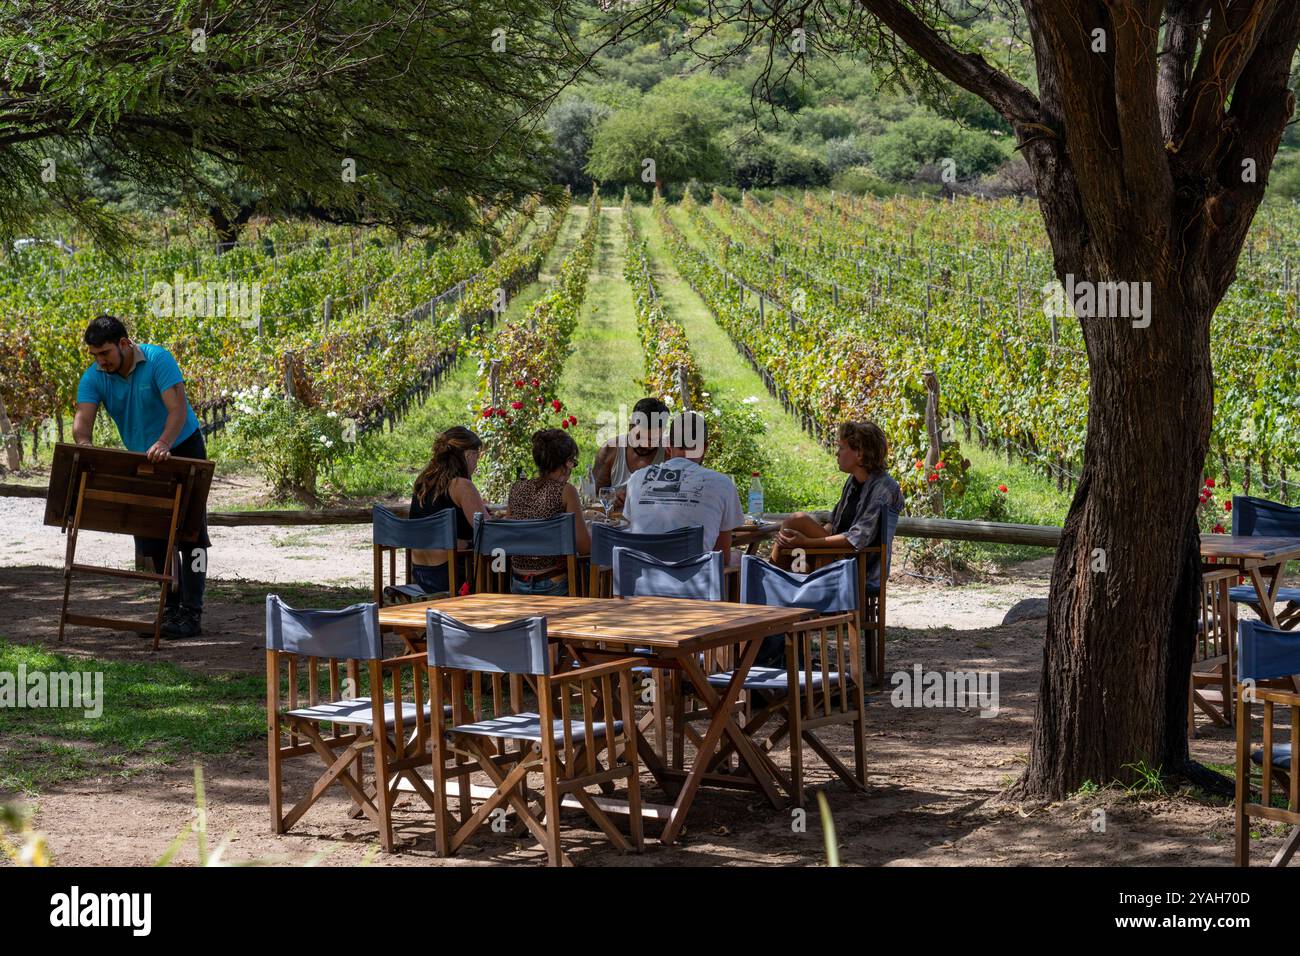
column 888, row 526
column 1266, row 653
column 518, row 647
column 435, row 532
column 1214, row 637
column 641, row 575
column 351, row 633
column 1259, row 517
column 676, row 545
column 831, row 589
column 526, row 536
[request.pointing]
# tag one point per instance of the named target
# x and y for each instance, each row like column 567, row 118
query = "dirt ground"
column 935, row 774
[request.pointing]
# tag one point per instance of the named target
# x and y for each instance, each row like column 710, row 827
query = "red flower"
column 487, row 413
column 1209, row 482
column 540, row 399
column 573, row 419
column 1218, row 529
column 934, row 476
column 536, row 383
column 464, row 589
column 1227, row 506
column 940, row 465
column 564, row 424
column 1002, row 488
column 556, row 404
column 919, row 464
column 519, row 383
column 516, row 405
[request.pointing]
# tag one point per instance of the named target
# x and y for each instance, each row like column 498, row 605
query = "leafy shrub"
column 290, row 442
column 845, row 152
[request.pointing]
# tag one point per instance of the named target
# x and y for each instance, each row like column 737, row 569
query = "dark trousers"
column 191, row 558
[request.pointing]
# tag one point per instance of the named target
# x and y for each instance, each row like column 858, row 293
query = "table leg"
column 1265, row 594
column 721, row 722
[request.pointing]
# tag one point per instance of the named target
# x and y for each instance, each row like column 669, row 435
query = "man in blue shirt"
column 143, row 390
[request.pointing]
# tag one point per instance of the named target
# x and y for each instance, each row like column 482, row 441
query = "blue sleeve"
column 166, row 373
column 88, row 387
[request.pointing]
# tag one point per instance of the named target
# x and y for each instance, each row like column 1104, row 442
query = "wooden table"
column 1259, row 558
column 749, row 536
column 674, row 631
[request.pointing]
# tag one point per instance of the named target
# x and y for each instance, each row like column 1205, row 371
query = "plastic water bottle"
column 756, row 497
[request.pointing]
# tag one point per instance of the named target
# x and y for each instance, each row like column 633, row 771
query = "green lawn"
column 153, row 714
column 605, row 368
column 800, row 473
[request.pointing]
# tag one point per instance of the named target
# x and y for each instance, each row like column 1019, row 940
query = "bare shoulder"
column 461, row 487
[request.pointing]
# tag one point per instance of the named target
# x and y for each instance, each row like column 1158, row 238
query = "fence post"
column 329, row 311
column 935, row 450
column 683, row 387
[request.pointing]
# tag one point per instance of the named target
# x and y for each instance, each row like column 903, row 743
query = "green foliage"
column 921, row 140
column 668, row 131
column 288, row 441
column 434, row 133
column 572, row 123
column 767, row 161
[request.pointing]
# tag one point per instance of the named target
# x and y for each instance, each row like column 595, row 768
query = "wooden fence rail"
column 990, row 532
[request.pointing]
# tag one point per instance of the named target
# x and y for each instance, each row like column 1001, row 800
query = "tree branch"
column 1184, row 23
column 968, row 70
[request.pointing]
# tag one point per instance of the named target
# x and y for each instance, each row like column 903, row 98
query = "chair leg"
column 383, row 793
column 1243, row 786
column 275, row 793
column 551, row 800
column 860, row 735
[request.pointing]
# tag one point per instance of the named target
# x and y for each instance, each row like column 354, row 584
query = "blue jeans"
column 548, row 587
column 431, row 578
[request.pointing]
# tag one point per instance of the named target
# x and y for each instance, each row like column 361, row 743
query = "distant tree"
column 845, row 152
column 571, row 124
column 923, row 139
column 663, row 136
column 767, row 161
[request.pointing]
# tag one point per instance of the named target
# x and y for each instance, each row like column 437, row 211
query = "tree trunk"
column 226, row 228
column 9, row 439
column 1114, row 684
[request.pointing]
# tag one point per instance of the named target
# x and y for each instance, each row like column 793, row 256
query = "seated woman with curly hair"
column 555, row 454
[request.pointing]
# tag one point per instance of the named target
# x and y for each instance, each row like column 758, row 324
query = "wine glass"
column 608, row 495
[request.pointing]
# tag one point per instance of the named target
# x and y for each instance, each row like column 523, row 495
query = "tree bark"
column 9, row 439
column 228, row 228
column 1114, row 686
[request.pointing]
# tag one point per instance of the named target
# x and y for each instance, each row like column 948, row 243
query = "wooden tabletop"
column 747, row 532
column 1251, row 548
column 670, row 624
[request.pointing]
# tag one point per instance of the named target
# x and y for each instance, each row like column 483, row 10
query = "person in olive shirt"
column 855, row 522
column 142, row 389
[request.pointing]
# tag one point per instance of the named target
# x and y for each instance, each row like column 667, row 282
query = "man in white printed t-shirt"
column 681, row 491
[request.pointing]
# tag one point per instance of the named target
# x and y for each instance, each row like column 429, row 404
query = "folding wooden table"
column 671, row 633
column 1261, row 559
column 122, row 492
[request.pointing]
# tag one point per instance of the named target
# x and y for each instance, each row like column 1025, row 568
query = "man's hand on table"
column 159, row 451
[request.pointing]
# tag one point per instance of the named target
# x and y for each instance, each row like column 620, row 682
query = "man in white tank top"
column 620, row 457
